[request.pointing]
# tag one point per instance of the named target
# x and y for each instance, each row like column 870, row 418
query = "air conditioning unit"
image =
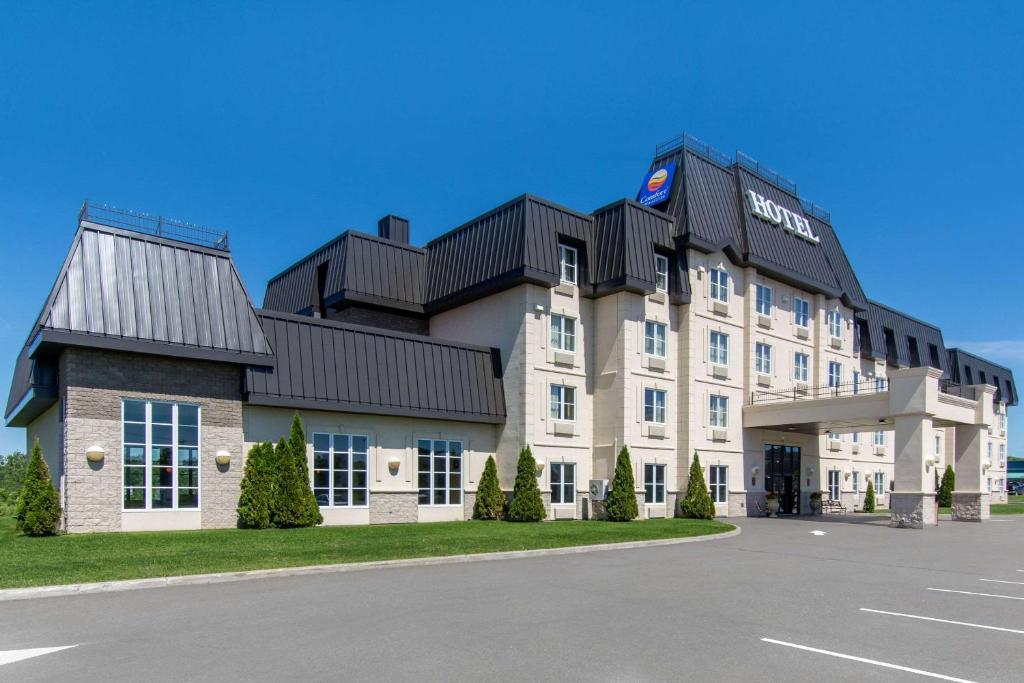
column 598, row 489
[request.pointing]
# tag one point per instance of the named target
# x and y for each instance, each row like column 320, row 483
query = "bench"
column 833, row 507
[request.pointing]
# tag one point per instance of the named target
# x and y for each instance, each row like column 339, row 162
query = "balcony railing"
column 953, row 389
column 799, row 393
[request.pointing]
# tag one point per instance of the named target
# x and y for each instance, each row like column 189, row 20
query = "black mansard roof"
column 966, row 368
column 899, row 339
column 326, row 365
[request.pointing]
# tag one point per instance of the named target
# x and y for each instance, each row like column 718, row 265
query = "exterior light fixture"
column 929, row 462
column 222, row 458
column 95, row 453
column 394, row 462
column 540, row 467
column 810, row 471
column 986, row 465
column 755, row 469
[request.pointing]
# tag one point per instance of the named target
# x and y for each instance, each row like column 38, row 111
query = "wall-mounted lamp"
column 846, row 475
column 95, row 453
column 755, row 469
column 394, row 462
column 222, row 458
column 929, row 462
column 539, row 308
column 810, row 471
column 540, row 467
column 985, row 466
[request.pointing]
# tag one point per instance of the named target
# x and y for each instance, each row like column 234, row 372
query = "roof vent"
column 393, row 228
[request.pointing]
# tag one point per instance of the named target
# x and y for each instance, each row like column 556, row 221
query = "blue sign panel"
column 657, row 185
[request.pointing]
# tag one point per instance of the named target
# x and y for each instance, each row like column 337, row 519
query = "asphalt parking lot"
column 777, row 603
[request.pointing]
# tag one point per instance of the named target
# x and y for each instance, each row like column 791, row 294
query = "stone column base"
column 969, row 506
column 910, row 510
column 393, row 507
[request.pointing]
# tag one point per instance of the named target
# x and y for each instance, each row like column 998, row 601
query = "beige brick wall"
column 93, row 384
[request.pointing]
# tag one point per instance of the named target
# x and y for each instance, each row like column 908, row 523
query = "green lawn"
column 1015, row 507
column 84, row 558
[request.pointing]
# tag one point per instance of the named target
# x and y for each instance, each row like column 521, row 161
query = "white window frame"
column 832, row 436
column 332, row 468
column 718, row 354
column 855, row 437
column 835, row 323
column 879, row 483
column 148, row 446
column 938, row 444
column 855, row 476
column 718, row 411
column 656, row 401
column 660, row 273
column 801, row 312
column 432, row 488
column 763, row 358
column 835, row 488
column 654, row 483
column 718, row 483
column 559, row 404
column 801, row 366
column 718, row 289
column 880, row 438
column 763, row 299
column 1002, row 455
column 655, row 339
column 566, row 489
column 856, row 381
column 835, row 378
column 879, row 384
column 563, row 333
column 568, row 268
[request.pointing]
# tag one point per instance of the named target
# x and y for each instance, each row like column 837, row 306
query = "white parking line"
column 944, row 621
column 1016, row 583
column 11, row 656
column 864, row 660
column 984, row 595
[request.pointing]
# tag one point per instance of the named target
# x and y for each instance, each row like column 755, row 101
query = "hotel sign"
column 781, row 216
column 657, row 185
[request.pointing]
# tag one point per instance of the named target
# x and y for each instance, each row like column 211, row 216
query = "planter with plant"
column 772, row 500
column 816, row 502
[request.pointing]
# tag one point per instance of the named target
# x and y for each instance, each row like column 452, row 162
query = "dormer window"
column 835, row 323
column 661, row 273
column 719, row 285
column 568, row 262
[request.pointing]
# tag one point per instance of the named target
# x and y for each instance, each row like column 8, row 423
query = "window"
column 563, row 483
column 879, row 438
column 879, row 482
column 879, row 384
column 856, row 482
column 660, row 273
column 988, row 451
column 718, row 481
column 161, row 455
column 801, row 312
column 1002, row 455
column 938, row 445
column 654, row 338
column 835, row 373
column 990, row 484
column 835, row 323
column 834, row 477
column 800, row 363
column 654, row 483
column 563, row 403
column 440, row 472
column 855, row 437
column 719, row 285
column 763, row 301
column 718, row 350
column 563, row 333
column 763, row 358
column 340, row 464
column 856, row 382
column 654, row 406
column 718, row 411
column 568, row 260
column 832, row 436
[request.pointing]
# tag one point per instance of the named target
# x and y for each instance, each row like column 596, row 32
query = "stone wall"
column 394, row 507
column 93, row 384
column 971, row 507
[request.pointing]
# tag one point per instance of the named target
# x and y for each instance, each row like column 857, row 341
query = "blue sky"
column 287, row 124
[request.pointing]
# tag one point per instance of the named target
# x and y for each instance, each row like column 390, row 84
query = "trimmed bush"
column 38, row 512
column 490, row 501
column 256, row 500
column 697, row 504
column 946, row 487
column 527, row 505
column 294, row 503
column 869, row 498
column 621, row 505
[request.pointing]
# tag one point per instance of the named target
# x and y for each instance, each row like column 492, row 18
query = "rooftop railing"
column 687, row 141
column 158, row 226
column 799, row 393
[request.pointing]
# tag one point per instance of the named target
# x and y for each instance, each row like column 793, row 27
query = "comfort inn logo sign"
column 780, row 215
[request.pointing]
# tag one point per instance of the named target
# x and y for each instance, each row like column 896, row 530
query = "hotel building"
column 717, row 315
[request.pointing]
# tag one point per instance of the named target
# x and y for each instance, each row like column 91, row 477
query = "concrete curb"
column 225, row 577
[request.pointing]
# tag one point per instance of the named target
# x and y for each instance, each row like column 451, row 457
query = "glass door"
column 782, row 476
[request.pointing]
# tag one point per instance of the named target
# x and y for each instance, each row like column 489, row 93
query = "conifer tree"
column 38, row 512
column 527, row 505
column 697, row 503
column 490, row 500
column 946, row 487
column 294, row 503
column 621, row 505
column 257, row 488
column 869, row 498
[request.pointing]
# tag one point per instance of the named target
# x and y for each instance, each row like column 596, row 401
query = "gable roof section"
column 326, row 365
column 966, row 368
column 128, row 291
column 878, row 318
